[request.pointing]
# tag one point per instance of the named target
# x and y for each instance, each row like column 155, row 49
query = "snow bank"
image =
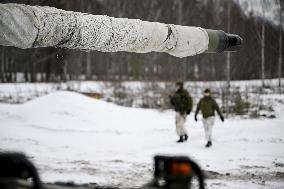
column 73, row 137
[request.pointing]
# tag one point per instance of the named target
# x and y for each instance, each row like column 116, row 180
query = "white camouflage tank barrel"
column 25, row 26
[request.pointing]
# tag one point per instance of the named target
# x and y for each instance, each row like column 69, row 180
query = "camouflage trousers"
column 180, row 124
column 208, row 126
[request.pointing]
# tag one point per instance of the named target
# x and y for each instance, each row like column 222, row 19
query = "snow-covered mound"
column 73, row 137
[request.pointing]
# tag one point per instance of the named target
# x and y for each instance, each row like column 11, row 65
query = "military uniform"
column 182, row 103
column 208, row 106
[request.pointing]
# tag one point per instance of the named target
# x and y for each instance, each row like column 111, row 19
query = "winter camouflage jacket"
column 182, row 101
column 208, row 105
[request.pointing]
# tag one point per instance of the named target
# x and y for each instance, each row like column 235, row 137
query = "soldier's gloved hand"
column 195, row 117
column 222, row 118
column 188, row 112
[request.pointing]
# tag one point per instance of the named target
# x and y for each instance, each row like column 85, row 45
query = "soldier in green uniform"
column 182, row 103
column 208, row 106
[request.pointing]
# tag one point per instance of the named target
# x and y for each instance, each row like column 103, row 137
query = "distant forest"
column 53, row 65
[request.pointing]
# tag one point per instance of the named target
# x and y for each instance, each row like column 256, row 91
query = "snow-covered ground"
column 72, row 137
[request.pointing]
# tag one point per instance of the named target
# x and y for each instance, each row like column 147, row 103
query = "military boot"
column 209, row 144
column 180, row 139
column 185, row 137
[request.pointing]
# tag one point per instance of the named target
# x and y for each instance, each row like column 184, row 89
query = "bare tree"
column 228, row 60
column 2, row 64
column 260, row 33
column 228, row 57
column 281, row 8
column 89, row 55
column 265, row 5
column 88, row 65
column 263, row 45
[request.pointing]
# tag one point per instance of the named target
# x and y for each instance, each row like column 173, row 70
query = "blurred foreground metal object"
column 15, row 167
column 170, row 173
column 175, row 172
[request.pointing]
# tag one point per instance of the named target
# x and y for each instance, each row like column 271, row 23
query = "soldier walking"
column 182, row 103
column 208, row 105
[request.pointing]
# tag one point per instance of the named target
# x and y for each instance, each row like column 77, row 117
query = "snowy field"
column 72, row 137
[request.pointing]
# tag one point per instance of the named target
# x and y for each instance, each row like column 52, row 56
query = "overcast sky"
column 271, row 8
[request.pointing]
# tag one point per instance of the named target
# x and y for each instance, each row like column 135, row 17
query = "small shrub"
column 240, row 106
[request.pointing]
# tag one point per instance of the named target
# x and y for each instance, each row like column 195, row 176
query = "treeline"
column 49, row 64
